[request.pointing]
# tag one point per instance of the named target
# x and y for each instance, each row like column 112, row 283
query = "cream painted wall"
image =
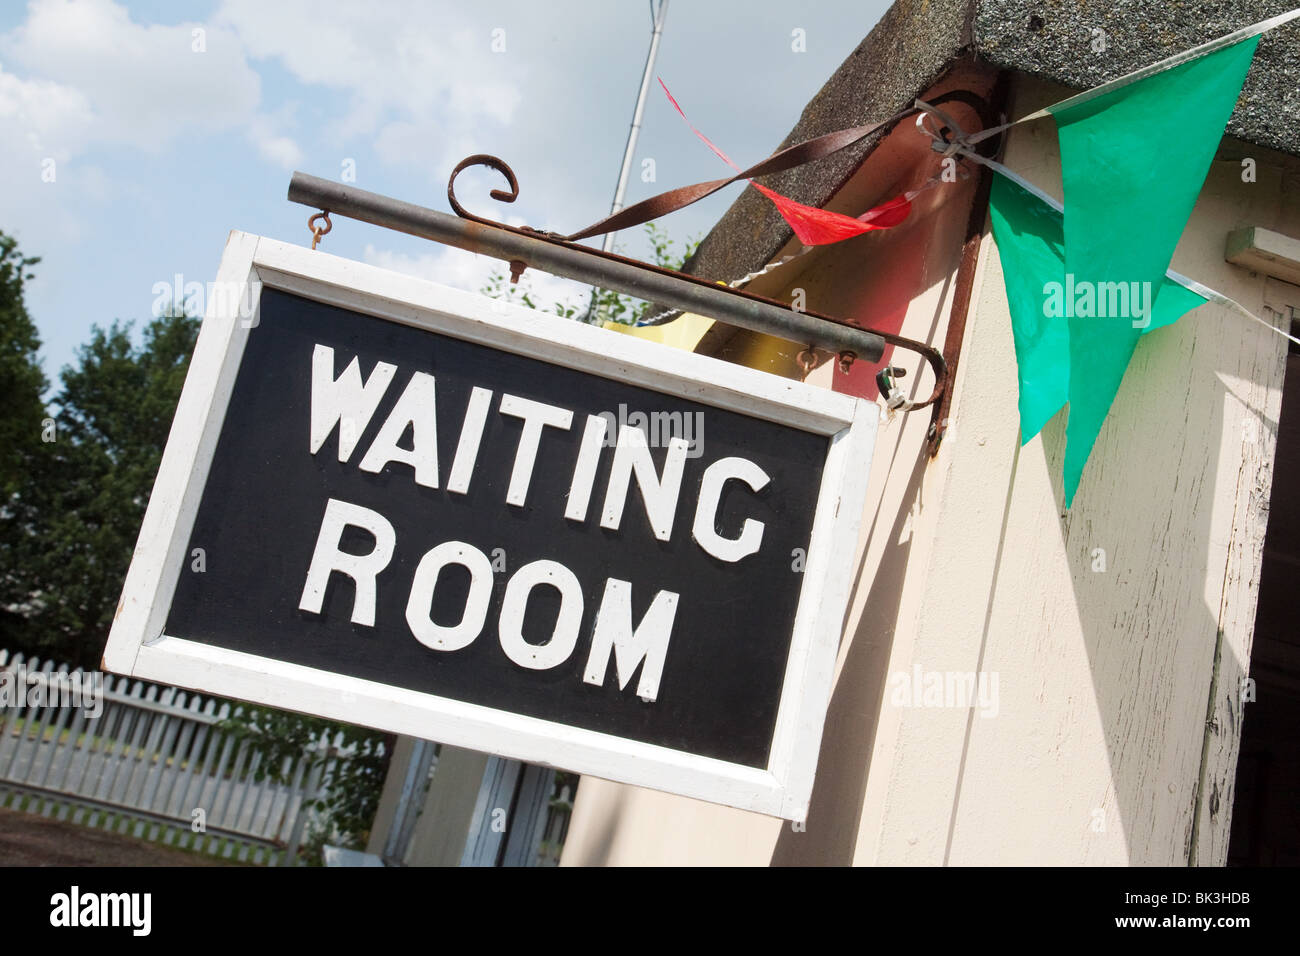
column 617, row 824
column 1105, row 676
column 1099, row 751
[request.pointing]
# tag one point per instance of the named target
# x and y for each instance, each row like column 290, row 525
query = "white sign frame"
column 138, row 647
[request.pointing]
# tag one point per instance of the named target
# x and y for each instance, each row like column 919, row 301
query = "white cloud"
column 278, row 149
column 43, row 126
column 147, row 83
column 453, row 267
column 413, row 73
column 43, row 115
column 79, row 74
column 471, row 272
column 98, row 76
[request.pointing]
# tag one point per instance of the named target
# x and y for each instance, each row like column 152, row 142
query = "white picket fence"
column 154, row 763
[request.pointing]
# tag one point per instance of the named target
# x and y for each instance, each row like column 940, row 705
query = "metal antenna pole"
column 630, row 150
column 607, row 245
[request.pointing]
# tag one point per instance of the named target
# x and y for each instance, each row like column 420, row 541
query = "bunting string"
column 668, row 315
column 1187, row 283
column 1086, row 277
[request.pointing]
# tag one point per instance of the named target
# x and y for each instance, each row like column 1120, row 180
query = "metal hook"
column 807, row 360
column 317, row 231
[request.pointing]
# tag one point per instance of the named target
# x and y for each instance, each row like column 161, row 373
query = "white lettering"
column 648, row 642
column 536, row 416
column 414, row 410
column 632, row 456
column 565, row 636
column 344, row 401
column 706, row 511
column 437, row 636
column 361, row 568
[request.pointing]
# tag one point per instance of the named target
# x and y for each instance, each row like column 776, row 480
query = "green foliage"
column 84, row 493
column 355, row 763
column 22, row 416
column 22, row 382
column 499, row 286
column 74, row 496
column 605, row 305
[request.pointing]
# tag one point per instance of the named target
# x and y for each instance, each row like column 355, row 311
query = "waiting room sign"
column 422, row 510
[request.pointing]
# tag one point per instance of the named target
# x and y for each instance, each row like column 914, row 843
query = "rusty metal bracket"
column 846, row 356
column 990, row 114
column 523, row 247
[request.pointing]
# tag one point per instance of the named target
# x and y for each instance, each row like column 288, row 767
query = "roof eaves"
column 910, row 48
column 916, row 43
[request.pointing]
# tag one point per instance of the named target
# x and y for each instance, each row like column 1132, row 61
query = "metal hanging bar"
column 561, row 255
column 527, row 248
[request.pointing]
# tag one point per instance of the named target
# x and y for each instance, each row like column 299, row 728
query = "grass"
column 124, row 825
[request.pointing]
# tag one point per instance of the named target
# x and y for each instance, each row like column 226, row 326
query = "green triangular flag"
column 1132, row 164
column 1029, row 236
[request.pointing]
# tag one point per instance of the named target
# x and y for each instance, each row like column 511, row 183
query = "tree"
column 22, row 382
column 354, row 765
column 22, row 426
column 76, row 485
column 86, row 490
column 86, row 494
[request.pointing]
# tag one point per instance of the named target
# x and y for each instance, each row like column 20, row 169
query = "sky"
column 135, row 136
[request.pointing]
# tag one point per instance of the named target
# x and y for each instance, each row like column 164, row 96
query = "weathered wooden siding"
column 1099, row 748
column 1118, row 632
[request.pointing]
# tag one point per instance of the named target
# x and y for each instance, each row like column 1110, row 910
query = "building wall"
column 1117, row 632
column 902, row 280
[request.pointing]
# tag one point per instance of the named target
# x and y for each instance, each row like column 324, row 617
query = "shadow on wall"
column 1145, row 569
column 1162, row 540
column 831, row 832
column 1156, row 650
column 1144, row 619
column 604, row 800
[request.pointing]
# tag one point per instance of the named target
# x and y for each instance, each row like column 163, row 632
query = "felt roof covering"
column 918, row 41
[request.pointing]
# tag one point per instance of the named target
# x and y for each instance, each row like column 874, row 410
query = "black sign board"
column 411, row 508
